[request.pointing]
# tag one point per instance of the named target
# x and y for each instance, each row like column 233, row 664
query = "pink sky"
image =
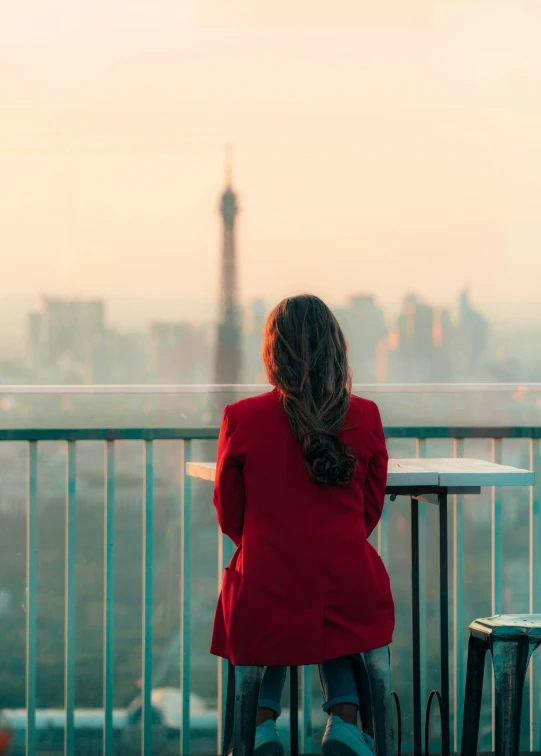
column 400, row 153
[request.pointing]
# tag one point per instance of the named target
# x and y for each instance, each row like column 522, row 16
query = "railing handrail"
column 211, row 433
column 259, row 388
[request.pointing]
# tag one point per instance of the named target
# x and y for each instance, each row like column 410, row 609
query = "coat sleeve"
column 229, row 495
column 376, row 477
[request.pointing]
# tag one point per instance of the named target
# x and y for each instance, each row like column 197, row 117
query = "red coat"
column 304, row 584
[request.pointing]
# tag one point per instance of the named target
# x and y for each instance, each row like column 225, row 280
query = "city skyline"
column 73, row 341
column 134, row 314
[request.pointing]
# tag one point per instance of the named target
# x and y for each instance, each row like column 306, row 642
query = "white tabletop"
column 425, row 473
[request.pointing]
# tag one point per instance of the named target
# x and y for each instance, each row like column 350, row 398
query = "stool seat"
column 507, row 626
column 511, row 640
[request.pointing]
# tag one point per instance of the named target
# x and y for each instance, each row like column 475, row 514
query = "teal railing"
column 147, row 436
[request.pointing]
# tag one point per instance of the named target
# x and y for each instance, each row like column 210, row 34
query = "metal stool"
column 511, row 639
column 376, row 708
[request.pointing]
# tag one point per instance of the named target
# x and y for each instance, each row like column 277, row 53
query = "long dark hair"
column 305, row 356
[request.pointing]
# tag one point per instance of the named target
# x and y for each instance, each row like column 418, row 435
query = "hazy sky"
column 379, row 146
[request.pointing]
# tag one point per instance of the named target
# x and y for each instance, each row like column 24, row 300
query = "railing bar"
column 211, row 433
column 306, row 737
column 221, row 697
column 221, row 703
column 148, row 538
column 496, row 562
column 496, row 535
column 260, row 388
column 535, row 591
column 458, row 613
column 226, row 549
column 109, row 434
column 70, row 599
column 185, row 596
column 415, row 635
column 294, row 711
column 423, row 621
column 31, row 598
column 444, row 621
column 108, row 598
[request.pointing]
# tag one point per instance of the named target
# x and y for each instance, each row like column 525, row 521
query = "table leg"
column 416, row 629
column 444, row 623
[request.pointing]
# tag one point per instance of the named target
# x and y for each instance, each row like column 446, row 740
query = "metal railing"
column 147, row 436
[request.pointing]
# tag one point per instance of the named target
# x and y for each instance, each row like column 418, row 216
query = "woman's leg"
column 339, row 688
column 270, row 694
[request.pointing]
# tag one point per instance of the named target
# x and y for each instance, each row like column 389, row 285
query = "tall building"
column 253, row 369
column 421, row 344
column 61, row 336
column 177, row 353
column 228, row 356
column 365, row 330
column 471, row 341
column 120, row 358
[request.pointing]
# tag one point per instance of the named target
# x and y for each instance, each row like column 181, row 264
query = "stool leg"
column 477, row 650
column 227, row 745
column 247, row 685
column 378, row 667
column 510, row 665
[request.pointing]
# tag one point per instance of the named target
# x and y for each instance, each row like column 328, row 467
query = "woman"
column 300, row 486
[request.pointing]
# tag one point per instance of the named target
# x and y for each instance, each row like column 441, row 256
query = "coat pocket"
column 231, row 587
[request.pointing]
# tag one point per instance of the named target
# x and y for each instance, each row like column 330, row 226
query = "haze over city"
column 383, row 159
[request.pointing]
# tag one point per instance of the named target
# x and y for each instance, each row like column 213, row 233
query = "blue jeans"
column 338, row 684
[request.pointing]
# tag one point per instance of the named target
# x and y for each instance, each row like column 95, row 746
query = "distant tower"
column 228, row 364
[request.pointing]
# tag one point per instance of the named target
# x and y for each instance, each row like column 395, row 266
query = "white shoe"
column 344, row 739
column 267, row 740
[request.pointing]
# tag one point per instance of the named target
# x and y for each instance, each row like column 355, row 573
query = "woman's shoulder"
column 365, row 407
column 252, row 404
column 362, row 403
